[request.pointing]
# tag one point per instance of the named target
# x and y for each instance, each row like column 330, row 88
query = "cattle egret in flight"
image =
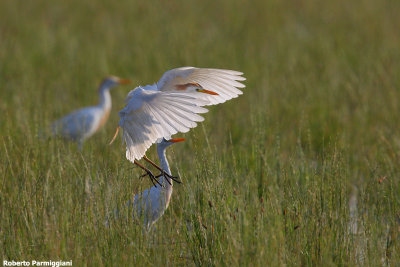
column 172, row 105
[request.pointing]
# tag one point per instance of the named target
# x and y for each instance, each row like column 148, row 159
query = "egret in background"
column 172, row 105
column 83, row 123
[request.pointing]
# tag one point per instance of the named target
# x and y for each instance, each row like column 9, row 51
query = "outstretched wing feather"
column 180, row 116
column 150, row 115
column 223, row 82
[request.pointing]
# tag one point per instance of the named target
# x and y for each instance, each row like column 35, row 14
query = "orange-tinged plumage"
column 83, row 123
column 104, row 118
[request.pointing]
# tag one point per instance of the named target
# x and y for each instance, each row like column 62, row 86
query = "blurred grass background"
column 303, row 169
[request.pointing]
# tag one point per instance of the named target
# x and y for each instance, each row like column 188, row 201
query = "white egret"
column 150, row 204
column 223, row 82
column 83, row 123
column 172, row 105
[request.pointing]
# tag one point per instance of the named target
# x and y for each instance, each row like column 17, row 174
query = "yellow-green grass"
column 269, row 178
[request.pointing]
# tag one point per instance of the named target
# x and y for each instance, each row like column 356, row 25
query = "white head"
column 112, row 81
column 166, row 143
column 193, row 87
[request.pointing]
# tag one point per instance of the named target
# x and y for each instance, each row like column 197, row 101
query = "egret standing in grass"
column 172, row 105
column 83, row 123
column 150, row 204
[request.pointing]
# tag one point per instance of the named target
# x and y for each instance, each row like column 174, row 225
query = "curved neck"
column 164, row 165
column 105, row 98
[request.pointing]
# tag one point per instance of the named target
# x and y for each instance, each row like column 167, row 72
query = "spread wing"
column 223, row 82
column 150, row 115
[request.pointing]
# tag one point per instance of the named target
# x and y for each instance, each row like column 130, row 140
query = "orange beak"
column 124, row 81
column 207, row 92
column 176, row 140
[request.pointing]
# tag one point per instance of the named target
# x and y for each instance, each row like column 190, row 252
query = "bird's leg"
column 156, row 179
column 149, row 173
column 141, row 176
column 163, row 173
column 115, row 136
column 168, row 181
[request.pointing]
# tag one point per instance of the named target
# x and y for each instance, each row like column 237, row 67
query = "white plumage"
column 151, row 115
column 222, row 82
column 150, row 204
column 83, row 123
column 172, row 105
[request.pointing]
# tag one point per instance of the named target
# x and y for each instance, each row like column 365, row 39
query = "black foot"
column 168, row 176
column 152, row 178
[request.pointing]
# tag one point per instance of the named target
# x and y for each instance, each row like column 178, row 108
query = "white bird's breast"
column 96, row 118
column 103, row 118
column 151, row 204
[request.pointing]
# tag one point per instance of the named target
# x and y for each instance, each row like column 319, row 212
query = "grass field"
column 303, row 169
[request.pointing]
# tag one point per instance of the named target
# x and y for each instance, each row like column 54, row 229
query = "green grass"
column 268, row 177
